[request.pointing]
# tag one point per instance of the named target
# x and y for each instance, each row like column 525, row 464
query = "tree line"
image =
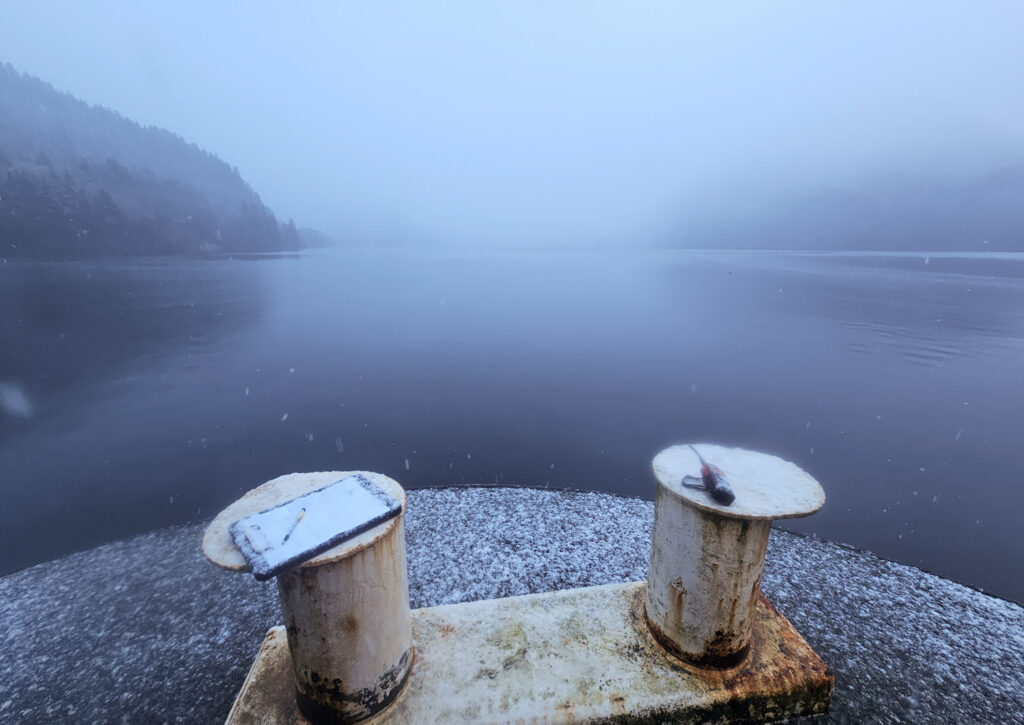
column 80, row 180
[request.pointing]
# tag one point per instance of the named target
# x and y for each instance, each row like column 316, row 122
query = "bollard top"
column 766, row 486
column 220, row 549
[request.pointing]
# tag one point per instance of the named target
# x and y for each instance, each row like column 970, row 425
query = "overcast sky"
column 543, row 122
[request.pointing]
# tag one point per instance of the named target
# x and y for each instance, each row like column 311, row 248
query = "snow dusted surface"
column 147, row 631
column 299, row 529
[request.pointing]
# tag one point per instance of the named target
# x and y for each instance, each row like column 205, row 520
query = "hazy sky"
column 543, row 122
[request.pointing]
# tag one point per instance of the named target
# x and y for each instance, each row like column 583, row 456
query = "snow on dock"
column 146, row 630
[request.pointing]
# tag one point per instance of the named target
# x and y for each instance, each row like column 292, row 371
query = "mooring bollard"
column 596, row 654
column 346, row 611
column 704, row 579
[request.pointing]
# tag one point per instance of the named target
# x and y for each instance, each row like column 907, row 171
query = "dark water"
column 144, row 393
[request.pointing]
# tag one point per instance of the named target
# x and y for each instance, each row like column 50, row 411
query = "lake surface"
column 135, row 394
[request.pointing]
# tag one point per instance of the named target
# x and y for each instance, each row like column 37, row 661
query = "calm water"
column 138, row 394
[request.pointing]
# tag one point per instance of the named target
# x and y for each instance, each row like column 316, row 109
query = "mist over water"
column 554, row 124
column 178, row 385
column 550, row 235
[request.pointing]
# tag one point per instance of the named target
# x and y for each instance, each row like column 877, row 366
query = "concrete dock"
column 146, row 631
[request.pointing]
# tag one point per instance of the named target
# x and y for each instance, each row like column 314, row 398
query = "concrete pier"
column 145, row 630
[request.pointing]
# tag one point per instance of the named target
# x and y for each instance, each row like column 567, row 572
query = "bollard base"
column 580, row 655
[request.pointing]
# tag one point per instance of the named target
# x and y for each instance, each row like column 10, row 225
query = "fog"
column 546, row 123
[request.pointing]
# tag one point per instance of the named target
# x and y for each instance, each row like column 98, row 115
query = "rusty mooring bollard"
column 346, row 611
column 704, row 579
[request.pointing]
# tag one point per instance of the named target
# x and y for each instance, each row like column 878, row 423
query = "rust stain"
column 326, row 700
column 773, row 677
column 732, row 613
column 755, row 593
column 720, row 652
column 566, row 711
column 766, row 679
column 446, row 630
column 678, row 604
column 781, row 677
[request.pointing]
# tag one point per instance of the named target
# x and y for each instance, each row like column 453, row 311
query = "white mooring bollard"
column 597, row 654
column 346, row 611
column 704, row 580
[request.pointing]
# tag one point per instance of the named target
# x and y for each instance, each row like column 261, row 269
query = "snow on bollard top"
column 297, row 530
column 766, row 486
column 303, row 519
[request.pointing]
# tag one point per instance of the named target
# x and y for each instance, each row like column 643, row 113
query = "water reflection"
column 68, row 324
column 87, row 347
column 920, row 309
column 896, row 386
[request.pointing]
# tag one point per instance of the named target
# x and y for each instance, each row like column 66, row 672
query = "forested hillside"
column 80, row 180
